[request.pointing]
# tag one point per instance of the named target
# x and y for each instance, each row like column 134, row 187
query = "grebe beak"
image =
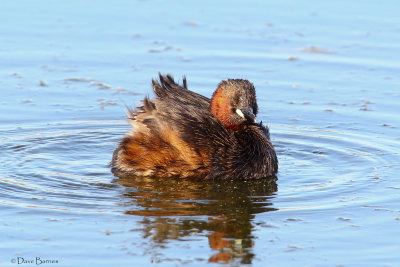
column 240, row 113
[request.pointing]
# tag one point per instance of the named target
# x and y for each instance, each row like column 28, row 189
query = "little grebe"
column 184, row 134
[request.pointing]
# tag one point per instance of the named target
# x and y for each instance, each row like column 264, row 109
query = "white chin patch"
column 240, row 113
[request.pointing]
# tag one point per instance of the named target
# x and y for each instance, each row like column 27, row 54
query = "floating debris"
column 191, row 23
column 365, row 106
column 388, row 125
column 166, row 48
column 292, row 248
column 16, row 74
column 316, row 50
column 293, row 220
column 100, row 85
column 78, row 80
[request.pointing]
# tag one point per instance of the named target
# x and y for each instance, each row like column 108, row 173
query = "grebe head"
column 234, row 103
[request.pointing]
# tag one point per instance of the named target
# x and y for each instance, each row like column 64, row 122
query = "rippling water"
column 327, row 80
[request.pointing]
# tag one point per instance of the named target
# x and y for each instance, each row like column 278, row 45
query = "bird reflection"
column 181, row 208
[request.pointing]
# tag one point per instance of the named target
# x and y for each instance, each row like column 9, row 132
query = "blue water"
column 327, row 81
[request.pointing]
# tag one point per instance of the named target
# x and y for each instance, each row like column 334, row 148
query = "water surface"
column 327, row 80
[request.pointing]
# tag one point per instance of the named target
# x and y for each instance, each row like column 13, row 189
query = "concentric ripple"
column 61, row 166
column 64, row 166
column 327, row 165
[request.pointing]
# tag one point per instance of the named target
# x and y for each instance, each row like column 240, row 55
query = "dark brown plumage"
column 183, row 134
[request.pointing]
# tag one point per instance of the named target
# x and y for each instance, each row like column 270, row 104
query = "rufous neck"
column 221, row 109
